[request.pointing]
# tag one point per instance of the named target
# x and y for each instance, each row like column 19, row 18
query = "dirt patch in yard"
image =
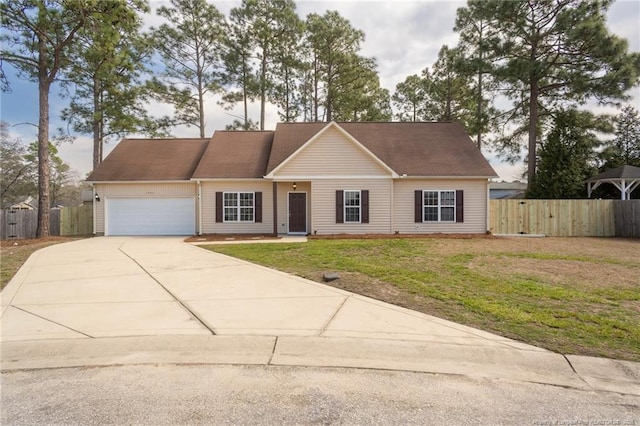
column 560, row 272
column 35, row 241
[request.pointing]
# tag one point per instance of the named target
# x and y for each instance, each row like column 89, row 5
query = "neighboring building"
column 506, row 190
column 302, row 178
column 27, row 204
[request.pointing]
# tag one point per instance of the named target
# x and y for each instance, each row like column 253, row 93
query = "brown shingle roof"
column 415, row 149
column 235, row 154
column 150, row 159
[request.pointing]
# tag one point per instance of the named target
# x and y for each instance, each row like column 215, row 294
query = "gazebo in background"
column 625, row 178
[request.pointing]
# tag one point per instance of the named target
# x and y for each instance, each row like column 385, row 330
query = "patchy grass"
column 569, row 295
column 13, row 254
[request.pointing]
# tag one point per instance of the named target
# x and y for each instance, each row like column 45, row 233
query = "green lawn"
column 574, row 296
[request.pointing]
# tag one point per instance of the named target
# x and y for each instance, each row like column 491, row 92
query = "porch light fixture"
column 294, row 186
column 97, row 197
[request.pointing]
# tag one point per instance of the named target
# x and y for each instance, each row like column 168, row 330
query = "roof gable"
column 407, row 148
column 331, row 151
column 150, row 160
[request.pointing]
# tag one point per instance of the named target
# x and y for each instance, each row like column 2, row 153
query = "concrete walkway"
column 133, row 300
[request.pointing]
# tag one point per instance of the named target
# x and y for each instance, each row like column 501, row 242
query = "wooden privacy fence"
column 19, row 224
column 566, row 218
column 627, row 218
column 76, row 220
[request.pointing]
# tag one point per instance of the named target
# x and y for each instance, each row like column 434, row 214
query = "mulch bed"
column 229, row 237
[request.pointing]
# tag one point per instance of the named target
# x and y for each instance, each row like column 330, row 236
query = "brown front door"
column 298, row 212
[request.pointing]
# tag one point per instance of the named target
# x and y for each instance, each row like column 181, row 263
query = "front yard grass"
column 569, row 295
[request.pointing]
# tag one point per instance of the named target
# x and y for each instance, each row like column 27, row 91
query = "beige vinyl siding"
column 323, row 195
column 284, row 188
column 475, row 206
column 209, row 225
column 138, row 190
column 332, row 154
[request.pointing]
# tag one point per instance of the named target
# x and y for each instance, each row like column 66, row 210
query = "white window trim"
column 344, row 205
column 439, row 206
column 238, row 207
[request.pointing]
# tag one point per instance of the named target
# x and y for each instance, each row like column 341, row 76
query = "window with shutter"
column 352, row 206
column 237, row 207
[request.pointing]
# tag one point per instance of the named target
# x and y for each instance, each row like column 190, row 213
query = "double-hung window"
column 239, row 207
column 352, row 206
column 439, row 206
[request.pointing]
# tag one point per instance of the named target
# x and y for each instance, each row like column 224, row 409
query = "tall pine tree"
column 552, row 55
column 190, row 48
column 106, row 65
column 37, row 38
column 568, row 155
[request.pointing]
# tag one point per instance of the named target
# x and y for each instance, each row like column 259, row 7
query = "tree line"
column 519, row 79
column 546, row 57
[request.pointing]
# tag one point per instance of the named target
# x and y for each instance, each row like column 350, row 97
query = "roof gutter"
column 446, row 177
column 138, row 181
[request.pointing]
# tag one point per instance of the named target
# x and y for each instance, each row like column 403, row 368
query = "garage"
column 150, row 216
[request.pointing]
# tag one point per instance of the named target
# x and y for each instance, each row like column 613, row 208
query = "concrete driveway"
column 120, row 300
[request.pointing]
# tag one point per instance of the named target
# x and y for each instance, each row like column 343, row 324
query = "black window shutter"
column 459, row 206
column 219, row 216
column 365, row 206
column 418, row 206
column 339, row 206
column 258, row 207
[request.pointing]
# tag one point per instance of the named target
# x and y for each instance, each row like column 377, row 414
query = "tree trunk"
column 101, row 131
column 479, row 100
column 245, row 104
column 97, row 141
column 200, row 103
column 479, row 112
column 328, row 104
column 533, row 132
column 479, row 109
column 263, row 87
column 315, row 88
column 43, row 142
column 286, row 96
column 448, row 105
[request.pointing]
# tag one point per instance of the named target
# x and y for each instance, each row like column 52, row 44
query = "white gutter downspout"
column 488, row 205
column 94, row 202
column 199, row 184
column 391, row 207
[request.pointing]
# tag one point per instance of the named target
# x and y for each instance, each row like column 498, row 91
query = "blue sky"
column 404, row 37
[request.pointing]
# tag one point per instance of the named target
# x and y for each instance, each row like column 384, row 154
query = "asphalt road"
column 225, row 394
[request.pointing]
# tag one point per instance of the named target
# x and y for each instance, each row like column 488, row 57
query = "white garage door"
column 150, row 216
